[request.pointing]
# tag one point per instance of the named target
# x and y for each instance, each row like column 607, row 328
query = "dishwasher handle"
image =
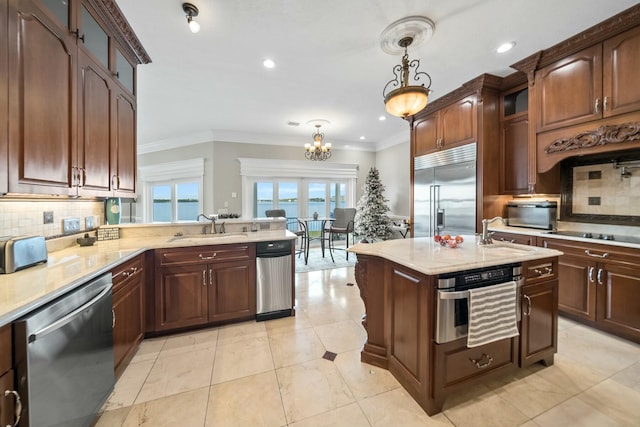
column 69, row 317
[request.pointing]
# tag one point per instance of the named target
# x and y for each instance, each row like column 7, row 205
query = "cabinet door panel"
column 42, row 114
column 425, row 135
column 577, row 293
column 459, row 123
column 181, row 298
column 125, row 163
column 233, row 291
column 128, row 329
column 94, row 133
column 618, row 302
column 514, row 157
column 567, row 90
column 7, row 403
column 621, row 63
column 539, row 322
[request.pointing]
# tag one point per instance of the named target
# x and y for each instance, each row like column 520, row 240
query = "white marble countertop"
column 66, row 269
column 424, row 255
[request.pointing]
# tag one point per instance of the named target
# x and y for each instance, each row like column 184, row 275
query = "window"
column 172, row 192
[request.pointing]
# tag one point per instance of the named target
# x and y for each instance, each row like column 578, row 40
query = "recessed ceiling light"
column 382, row 118
column 269, row 63
column 363, row 137
column 505, row 47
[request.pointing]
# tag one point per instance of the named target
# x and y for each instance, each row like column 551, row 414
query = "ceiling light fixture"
column 406, row 100
column 191, row 11
column 269, row 63
column 317, row 151
column 505, row 47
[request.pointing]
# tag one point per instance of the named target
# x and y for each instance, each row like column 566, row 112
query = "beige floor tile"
column 190, row 341
column 286, row 324
column 251, row 401
column 183, row 409
column 241, row 359
column 299, row 346
column 113, row 418
column 148, row 350
column 614, row 400
column 363, row 379
column 574, row 412
column 176, row 374
column 629, row 377
column 241, row 331
column 397, row 408
column 342, row 336
column 478, row 406
column 565, row 323
column 569, row 376
column 346, row 416
column 597, row 350
column 312, row 388
column 129, row 385
column 322, row 315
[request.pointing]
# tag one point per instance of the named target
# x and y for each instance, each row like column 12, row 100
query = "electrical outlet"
column 71, row 225
column 47, row 217
column 88, row 222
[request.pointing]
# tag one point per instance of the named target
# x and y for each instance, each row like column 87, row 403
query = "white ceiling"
column 212, row 85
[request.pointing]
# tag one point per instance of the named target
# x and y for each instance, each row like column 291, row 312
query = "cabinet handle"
column 604, row 255
column 406, row 276
column 528, row 312
column 604, row 104
column 600, row 271
column 478, row 363
column 204, row 277
column 116, row 75
column 78, row 36
column 591, row 270
column 113, row 319
column 207, row 257
column 18, row 410
column 597, row 106
column 210, row 277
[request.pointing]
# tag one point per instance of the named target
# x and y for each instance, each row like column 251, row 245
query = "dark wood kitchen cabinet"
column 599, row 285
column 539, row 309
column 204, row 285
column 128, row 310
column 4, row 94
column 67, row 123
column 8, row 401
column 597, row 82
column 451, row 126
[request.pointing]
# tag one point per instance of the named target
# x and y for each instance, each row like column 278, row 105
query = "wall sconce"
column 191, row 11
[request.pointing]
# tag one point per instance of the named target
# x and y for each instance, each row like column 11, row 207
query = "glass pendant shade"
column 406, row 101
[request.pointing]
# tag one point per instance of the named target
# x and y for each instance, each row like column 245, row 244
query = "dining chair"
column 341, row 225
column 298, row 228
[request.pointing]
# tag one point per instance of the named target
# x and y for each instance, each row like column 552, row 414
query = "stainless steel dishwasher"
column 64, row 357
column 274, row 289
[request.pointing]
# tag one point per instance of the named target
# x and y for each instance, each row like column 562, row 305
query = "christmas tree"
column 371, row 220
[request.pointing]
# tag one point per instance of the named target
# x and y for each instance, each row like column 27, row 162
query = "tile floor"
column 274, row 374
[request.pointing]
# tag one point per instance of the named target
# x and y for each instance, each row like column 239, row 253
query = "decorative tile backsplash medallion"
column 602, row 190
column 27, row 217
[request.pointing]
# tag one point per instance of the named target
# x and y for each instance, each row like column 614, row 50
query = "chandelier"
column 406, row 100
column 317, row 151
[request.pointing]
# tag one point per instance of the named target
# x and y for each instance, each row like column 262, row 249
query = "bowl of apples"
column 448, row 241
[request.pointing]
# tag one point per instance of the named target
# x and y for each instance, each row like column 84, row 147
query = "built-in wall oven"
column 452, row 295
column 64, row 357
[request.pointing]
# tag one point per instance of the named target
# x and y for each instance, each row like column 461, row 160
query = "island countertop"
column 424, row 255
column 66, row 269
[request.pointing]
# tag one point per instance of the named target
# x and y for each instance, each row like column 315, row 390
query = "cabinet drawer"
column 540, row 270
column 125, row 271
column 205, row 254
column 5, row 349
column 459, row 363
column 594, row 251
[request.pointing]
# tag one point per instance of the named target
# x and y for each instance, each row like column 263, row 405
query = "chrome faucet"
column 212, row 219
column 486, row 239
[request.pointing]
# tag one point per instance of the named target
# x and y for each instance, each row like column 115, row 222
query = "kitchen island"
column 397, row 281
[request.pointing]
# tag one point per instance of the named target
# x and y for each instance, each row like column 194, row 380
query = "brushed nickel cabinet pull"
column 597, row 106
column 604, row 104
column 18, row 409
column 600, row 271
column 591, row 270
column 528, row 312
column 210, row 277
column 604, row 255
column 204, row 277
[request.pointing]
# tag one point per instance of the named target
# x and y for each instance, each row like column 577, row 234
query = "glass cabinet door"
column 59, row 9
column 124, row 71
column 95, row 39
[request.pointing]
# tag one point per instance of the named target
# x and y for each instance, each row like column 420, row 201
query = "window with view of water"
column 173, row 202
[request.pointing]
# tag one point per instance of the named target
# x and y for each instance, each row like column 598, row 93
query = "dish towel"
column 492, row 314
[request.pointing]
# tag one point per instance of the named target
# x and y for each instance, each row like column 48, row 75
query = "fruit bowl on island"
column 448, row 241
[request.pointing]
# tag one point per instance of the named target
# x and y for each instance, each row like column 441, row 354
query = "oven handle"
column 69, row 317
column 445, row 295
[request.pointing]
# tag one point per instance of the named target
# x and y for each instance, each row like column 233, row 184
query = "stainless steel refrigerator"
column 444, row 193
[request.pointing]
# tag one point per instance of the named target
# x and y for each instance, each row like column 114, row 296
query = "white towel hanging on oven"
column 492, row 314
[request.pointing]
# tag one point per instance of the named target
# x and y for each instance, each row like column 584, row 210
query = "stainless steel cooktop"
column 598, row 236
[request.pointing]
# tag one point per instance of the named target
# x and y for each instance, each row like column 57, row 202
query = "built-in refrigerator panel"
column 445, row 192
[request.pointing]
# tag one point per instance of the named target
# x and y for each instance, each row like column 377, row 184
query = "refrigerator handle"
column 438, row 217
column 432, row 210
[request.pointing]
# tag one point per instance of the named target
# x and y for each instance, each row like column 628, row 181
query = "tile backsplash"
column 602, row 190
column 26, row 217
